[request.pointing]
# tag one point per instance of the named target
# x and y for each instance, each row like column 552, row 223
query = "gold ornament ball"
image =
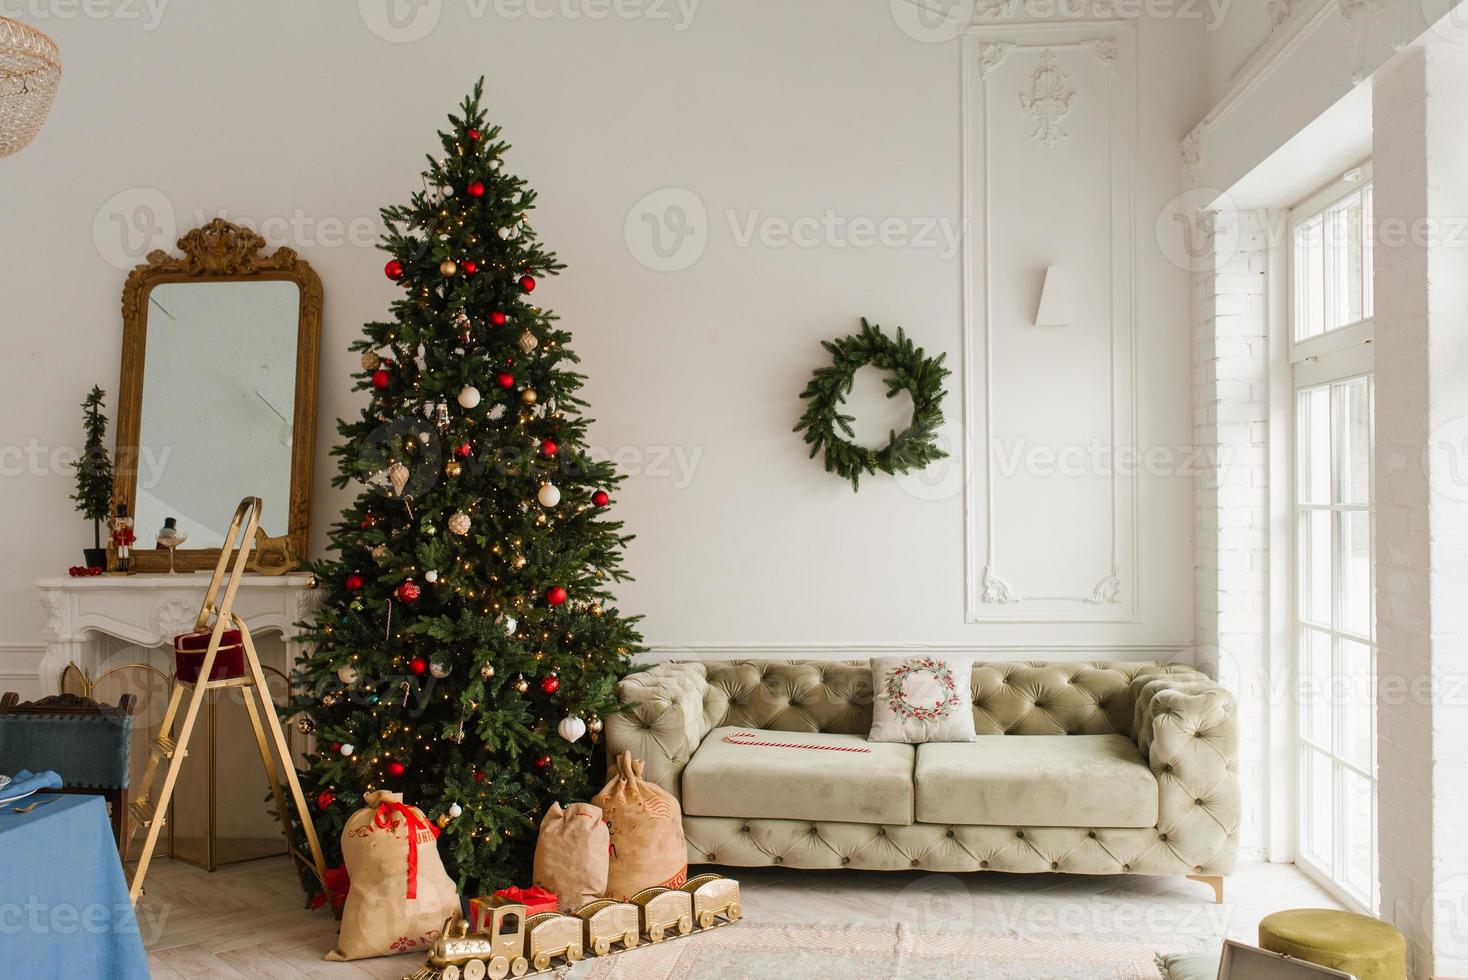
column 371, row 361
column 596, row 609
column 305, row 725
column 519, row 561
column 452, row 468
column 529, row 397
column 448, row 267
column 443, row 820
column 487, row 671
column 594, row 724
column 522, row 685
column 331, row 699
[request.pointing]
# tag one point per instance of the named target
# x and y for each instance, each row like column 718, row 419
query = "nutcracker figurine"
column 122, row 539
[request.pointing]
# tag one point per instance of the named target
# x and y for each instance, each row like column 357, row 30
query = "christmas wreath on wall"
column 907, row 369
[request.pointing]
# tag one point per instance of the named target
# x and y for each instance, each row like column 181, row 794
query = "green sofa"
column 1144, row 780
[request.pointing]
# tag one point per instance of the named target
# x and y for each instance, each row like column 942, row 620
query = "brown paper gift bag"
column 646, row 826
column 571, row 855
column 400, row 894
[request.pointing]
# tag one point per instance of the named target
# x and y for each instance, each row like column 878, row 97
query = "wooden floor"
column 247, row 920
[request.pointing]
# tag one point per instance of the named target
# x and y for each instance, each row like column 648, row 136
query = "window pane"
column 1313, row 446
column 1343, row 266
column 1315, row 686
column 1309, row 280
column 1368, row 241
column 1356, row 696
column 1357, row 802
column 1315, row 566
column 1354, row 570
column 1317, row 798
column 1352, row 442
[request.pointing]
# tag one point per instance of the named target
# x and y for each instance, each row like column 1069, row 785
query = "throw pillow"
column 922, row 699
column 1189, row 966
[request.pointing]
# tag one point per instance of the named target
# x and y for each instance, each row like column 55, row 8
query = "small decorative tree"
column 93, row 495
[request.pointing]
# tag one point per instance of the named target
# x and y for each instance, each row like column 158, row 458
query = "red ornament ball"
column 473, row 134
column 469, row 266
column 354, row 582
column 555, row 595
column 542, row 762
column 498, row 318
column 396, row 768
column 393, row 270
column 464, row 450
column 505, row 380
column 336, row 746
column 368, row 520
column 326, row 799
column 527, row 283
column 380, row 378
column 601, row 498
column 479, row 777
column 418, row 665
column 548, row 447
column 476, row 189
column 551, row 684
column 409, row 591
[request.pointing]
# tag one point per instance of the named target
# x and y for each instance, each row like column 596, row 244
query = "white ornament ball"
column 438, row 669
column 348, row 748
column 549, row 495
column 447, row 190
column 431, row 575
column 455, row 810
column 468, row 396
column 423, row 437
column 459, row 523
column 347, row 675
column 504, row 233
column 511, row 625
column 571, row 728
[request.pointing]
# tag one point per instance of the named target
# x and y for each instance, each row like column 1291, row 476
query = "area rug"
column 756, row 951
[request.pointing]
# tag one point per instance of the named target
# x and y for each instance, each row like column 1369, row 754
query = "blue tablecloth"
column 63, row 898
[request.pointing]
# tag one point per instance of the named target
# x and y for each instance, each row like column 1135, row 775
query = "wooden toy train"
column 514, row 942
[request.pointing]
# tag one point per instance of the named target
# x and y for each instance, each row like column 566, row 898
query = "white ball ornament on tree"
column 511, row 625
column 431, row 575
column 347, row 749
column 571, row 728
column 347, row 675
column 468, row 396
column 455, row 810
column 549, row 495
column 438, row 669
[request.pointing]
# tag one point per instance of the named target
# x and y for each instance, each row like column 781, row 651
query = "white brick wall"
column 1231, row 533
column 1421, row 179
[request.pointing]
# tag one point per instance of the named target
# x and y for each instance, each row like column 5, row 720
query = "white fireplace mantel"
column 149, row 610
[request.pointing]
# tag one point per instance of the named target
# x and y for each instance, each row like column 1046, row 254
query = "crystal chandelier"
column 30, row 69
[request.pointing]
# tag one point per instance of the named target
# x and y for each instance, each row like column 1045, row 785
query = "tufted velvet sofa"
column 1144, row 782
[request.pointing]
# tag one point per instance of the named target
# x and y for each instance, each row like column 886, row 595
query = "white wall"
column 764, row 110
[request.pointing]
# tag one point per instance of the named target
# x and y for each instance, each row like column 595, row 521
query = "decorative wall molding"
column 20, row 666
column 1052, row 94
column 1179, row 652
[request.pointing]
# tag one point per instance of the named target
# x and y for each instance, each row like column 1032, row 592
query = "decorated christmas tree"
column 465, row 647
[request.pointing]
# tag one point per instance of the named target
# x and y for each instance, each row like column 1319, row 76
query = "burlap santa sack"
column 646, row 826
column 571, row 855
column 400, row 894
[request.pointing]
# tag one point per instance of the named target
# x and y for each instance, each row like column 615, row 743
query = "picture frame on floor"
column 1244, row 962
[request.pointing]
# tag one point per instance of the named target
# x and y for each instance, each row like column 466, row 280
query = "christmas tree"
column 465, row 648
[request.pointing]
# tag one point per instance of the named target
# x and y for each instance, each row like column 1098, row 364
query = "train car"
column 551, row 935
column 715, row 900
column 663, row 909
column 497, row 953
column 606, row 922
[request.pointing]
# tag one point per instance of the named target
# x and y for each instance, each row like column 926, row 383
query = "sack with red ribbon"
column 400, row 894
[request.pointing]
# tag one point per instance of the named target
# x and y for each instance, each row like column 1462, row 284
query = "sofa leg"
column 1216, row 881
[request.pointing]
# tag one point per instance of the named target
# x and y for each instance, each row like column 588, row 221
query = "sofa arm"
column 662, row 722
column 1187, row 729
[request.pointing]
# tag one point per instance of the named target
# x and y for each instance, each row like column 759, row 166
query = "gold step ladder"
column 217, row 619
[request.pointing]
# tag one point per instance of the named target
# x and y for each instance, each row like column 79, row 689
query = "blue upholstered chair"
column 87, row 743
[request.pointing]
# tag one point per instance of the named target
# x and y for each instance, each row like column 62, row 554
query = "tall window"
column 1331, row 328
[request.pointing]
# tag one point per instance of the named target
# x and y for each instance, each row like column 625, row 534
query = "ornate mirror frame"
column 218, row 252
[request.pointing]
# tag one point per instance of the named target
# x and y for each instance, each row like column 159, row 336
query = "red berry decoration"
column 548, row 447
column 527, row 283
column 542, row 762
column 464, row 450
column 396, row 768
column 326, row 799
column 498, row 318
column 555, row 595
column 601, row 498
column 473, row 134
column 418, row 665
column 354, row 582
column 368, row 520
column 409, row 591
column 551, row 684
column 380, row 378
column 469, row 266
column 476, row 189
column 393, row 270
column 505, row 380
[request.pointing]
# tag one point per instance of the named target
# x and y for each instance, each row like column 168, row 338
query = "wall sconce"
column 1054, row 307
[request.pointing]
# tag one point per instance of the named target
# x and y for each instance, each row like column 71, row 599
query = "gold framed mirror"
column 217, row 397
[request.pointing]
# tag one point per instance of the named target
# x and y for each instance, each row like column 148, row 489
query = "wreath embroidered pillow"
column 922, row 699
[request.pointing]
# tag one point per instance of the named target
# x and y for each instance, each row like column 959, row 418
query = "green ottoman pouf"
column 1364, row 947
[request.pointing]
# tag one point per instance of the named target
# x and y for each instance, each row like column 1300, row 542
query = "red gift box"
column 189, row 650
column 536, row 900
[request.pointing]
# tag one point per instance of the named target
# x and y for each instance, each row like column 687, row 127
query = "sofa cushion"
column 1036, row 781
column 802, row 776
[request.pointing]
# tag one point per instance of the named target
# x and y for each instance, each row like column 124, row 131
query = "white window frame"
column 1338, row 354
